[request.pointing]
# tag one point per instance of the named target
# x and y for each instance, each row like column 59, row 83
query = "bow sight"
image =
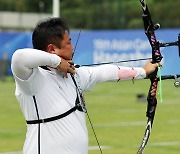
column 176, row 43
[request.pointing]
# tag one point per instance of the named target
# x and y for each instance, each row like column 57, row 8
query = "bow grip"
column 152, row 101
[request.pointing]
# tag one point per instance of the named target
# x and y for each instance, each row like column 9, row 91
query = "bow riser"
column 149, row 28
column 156, row 57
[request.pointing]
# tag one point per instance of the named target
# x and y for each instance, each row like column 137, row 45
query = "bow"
column 150, row 28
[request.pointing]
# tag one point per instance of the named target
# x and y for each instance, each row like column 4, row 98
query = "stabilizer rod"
column 176, row 43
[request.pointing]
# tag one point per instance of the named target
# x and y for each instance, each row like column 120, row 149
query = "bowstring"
column 81, row 27
column 100, row 149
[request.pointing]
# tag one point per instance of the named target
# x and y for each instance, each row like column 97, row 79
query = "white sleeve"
column 25, row 60
column 89, row 76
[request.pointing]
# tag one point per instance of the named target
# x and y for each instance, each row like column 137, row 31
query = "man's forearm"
column 24, row 60
column 115, row 73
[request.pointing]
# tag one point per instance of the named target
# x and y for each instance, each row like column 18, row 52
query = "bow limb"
column 149, row 28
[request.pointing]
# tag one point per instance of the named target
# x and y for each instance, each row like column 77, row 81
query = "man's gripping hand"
column 150, row 68
column 66, row 66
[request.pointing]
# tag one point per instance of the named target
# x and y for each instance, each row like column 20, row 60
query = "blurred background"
column 112, row 30
column 101, row 14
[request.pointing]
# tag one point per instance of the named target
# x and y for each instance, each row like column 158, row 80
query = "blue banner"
column 105, row 46
column 10, row 42
column 113, row 46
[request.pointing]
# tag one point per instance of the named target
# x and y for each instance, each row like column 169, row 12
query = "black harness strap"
column 39, row 121
column 52, row 118
column 39, row 140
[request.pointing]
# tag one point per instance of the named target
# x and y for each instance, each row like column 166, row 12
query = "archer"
column 50, row 90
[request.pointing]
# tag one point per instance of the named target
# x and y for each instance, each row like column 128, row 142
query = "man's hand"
column 150, row 68
column 66, row 67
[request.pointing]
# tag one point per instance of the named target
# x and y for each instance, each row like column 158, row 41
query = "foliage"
column 102, row 14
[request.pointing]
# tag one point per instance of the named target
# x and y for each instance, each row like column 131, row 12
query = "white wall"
column 21, row 20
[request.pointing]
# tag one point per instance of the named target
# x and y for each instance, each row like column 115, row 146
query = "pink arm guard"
column 128, row 73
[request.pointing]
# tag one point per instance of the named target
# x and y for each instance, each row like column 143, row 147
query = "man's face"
column 66, row 51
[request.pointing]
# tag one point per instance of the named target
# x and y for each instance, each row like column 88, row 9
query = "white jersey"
column 46, row 93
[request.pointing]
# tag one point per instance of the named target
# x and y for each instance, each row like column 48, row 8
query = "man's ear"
column 50, row 48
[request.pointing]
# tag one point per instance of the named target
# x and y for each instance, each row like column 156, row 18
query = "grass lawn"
column 117, row 115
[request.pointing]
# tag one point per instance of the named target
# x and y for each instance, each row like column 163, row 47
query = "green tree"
column 102, row 14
